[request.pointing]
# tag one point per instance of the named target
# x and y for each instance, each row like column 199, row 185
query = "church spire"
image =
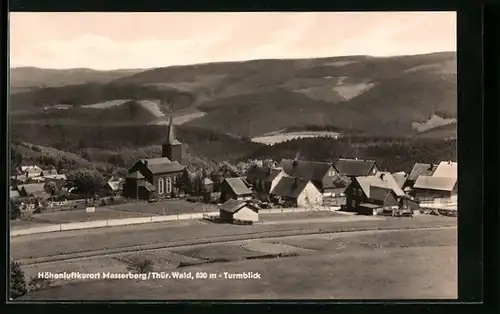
column 171, row 139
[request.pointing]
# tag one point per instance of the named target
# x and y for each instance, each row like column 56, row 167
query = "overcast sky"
column 145, row 40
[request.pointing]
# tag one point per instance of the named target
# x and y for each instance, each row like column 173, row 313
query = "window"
column 331, row 173
column 161, row 186
column 169, row 185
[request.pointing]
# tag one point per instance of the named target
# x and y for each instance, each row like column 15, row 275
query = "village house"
column 323, row 175
column 419, row 169
column 238, row 210
column 350, row 168
column 49, row 172
column 366, row 194
column 31, row 171
column 235, row 188
column 157, row 177
column 297, row 192
column 428, row 188
column 263, row 180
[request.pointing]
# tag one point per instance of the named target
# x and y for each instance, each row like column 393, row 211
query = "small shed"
column 238, row 210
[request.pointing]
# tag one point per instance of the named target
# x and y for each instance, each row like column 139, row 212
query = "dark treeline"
column 73, row 138
column 391, row 154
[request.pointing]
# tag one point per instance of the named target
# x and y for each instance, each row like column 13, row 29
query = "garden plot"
column 162, row 259
column 274, row 248
column 216, row 252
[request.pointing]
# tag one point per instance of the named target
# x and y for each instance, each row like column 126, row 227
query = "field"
column 193, row 231
column 101, row 213
column 169, row 207
column 376, row 264
column 282, row 137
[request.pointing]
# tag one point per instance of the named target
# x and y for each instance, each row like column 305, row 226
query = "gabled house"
column 157, row 177
column 431, row 187
column 31, row 171
column 238, row 210
column 263, row 180
column 323, row 175
column 356, row 167
column 419, row 169
column 297, row 192
column 373, row 192
column 235, row 188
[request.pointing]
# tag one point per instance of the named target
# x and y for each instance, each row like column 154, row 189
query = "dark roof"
column 420, row 169
column 379, row 193
column 354, row 167
column 232, row 206
column 307, row 170
column 162, row 165
column 135, row 175
column 148, row 186
column 32, row 188
column 171, row 139
column 238, row 186
column 289, row 187
column 262, row 173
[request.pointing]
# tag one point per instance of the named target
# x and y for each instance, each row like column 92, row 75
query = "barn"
column 235, row 188
column 238, row 210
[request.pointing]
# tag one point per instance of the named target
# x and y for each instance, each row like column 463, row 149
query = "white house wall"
column 310, row 196
column 246, row 214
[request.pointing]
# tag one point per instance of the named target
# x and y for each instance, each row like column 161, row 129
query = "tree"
column 140, row 265
column 15, row 211
column 17, row 280
column 88, row 181
column 51, row 188
column 38, row 283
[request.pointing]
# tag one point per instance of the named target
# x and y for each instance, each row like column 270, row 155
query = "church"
column 157, row 177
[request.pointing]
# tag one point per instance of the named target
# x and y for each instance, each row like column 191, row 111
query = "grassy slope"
column 253, row 95
column 30, row 77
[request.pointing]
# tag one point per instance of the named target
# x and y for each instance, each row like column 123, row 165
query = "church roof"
column 162, row 165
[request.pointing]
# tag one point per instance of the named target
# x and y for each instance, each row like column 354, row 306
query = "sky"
column 105, row 41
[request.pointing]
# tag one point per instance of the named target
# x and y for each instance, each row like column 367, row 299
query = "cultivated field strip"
column 208, row 241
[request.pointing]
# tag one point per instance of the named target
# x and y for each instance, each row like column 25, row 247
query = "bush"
column 140, row 265
column 37, row 283
column 17, row 280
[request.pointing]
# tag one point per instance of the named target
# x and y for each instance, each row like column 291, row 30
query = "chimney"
column 382, row 176
column 295, row 163
column 431, row 166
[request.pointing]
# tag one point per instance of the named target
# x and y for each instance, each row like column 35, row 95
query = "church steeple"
column 171, row 139
column 172, row 148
